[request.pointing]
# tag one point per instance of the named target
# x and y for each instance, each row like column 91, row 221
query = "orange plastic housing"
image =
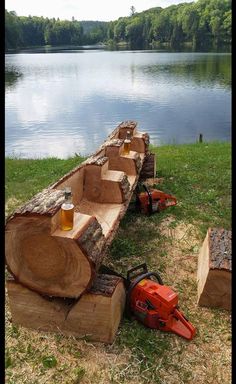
column 156, row 306
column 155, row 201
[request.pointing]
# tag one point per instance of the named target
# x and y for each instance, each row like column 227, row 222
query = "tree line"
column 203, row 23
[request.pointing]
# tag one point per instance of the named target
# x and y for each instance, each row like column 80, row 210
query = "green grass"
column 26, row 177
column 199, row 175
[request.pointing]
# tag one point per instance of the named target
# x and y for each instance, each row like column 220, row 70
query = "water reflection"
column 11, row 77
column 66, row 104
column 206, row 71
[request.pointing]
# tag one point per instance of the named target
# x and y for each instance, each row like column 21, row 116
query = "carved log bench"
column 44, row 259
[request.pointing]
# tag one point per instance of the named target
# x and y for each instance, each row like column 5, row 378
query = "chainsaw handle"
column 137, row 191
column 149, row 198
column 137, row 268
column 133, row 285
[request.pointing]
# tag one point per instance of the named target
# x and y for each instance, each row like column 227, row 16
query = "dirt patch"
column 179, row 231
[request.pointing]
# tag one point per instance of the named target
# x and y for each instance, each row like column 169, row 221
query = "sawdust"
column 150, row 182
column 104, row 366
column 181, row 231
column 182, row 246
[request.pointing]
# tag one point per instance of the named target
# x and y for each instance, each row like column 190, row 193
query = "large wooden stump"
column 214, row 269
column 96, row 315
column 59, row 263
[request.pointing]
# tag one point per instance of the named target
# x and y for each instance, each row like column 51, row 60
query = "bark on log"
column 214, row 269
column 64, row 263
column 149, row 167
column 96, row 314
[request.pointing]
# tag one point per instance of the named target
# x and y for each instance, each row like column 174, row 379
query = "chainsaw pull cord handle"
column 133, row 285
column 149, row 198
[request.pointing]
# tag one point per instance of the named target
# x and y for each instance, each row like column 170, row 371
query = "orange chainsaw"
column 153, row 200
column 153, row 303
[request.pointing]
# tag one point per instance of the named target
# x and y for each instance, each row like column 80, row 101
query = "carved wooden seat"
column 46, row 260
column 59, row 263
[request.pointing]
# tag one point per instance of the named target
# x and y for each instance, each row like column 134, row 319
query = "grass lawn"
column 199, row 175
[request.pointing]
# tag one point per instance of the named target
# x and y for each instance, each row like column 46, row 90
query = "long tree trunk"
column 51, row 261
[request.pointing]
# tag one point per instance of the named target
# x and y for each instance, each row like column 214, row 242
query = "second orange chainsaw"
column 153, row 200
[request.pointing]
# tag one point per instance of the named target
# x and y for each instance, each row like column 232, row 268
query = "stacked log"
column 47, row 261
column 95, row 316
column 215, row 269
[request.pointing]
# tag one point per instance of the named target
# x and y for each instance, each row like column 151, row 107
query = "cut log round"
column 60, row 264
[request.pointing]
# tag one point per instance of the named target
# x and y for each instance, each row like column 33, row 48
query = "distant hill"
column 89, row 25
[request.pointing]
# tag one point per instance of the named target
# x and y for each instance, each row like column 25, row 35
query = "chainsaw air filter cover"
column 162, row 297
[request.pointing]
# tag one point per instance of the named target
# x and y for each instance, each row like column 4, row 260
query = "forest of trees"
column 204, row 23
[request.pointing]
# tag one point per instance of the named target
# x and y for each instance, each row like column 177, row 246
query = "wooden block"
column 32, row 310
column 214, row 269
column 130, row 164
column 139, row 142
column 96, row 315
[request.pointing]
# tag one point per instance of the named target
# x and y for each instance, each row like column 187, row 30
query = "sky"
column 104, row 10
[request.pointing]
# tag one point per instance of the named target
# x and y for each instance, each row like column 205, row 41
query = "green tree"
column 134, row 33
column 120, row 30
column 13, row 31
column 227, row 25
column 204, row 23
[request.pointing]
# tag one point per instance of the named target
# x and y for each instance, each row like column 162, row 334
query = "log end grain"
column 214, row 269
column 50, row 263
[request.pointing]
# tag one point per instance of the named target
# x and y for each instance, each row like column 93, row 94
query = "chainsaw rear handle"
column 133, row 285
column 149, row 199
column 142, row 267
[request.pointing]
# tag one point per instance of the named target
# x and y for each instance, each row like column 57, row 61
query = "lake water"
column 67, row 102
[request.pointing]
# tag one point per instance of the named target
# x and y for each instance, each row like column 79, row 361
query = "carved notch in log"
column 214, row 269
column 64, row 263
